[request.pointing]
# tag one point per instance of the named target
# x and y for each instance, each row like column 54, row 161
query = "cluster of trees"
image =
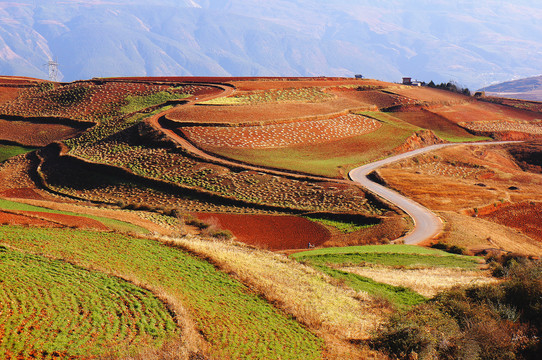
column 450, row 86
column 497, row 322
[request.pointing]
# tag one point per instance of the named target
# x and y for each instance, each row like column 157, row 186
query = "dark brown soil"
column 269, row 232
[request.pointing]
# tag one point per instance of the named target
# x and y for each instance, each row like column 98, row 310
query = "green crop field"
column 8, row 151
column 111, row 223
column 399, row 296
column 388, row 255
column 136, row 103
column 236, row 322
column 51, row 308
column 343, row 226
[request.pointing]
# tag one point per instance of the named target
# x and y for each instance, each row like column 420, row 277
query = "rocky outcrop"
column 418, row 140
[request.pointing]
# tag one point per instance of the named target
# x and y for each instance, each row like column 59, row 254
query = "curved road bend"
column 426, row 224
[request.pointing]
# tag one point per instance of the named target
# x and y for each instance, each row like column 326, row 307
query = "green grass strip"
column 343, row 226
column 388, row 255
column 9, row 151
column 49, row 305
column 136, row 103
column 111, row 223
column 236, row 322
column 399, row 296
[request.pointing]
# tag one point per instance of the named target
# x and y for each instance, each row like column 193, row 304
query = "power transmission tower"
column 53, row 70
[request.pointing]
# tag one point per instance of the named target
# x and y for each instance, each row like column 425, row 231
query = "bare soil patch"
column 269, row 232
column 525, row 217
column 32, row 134
column 22, row 193
column 18, row 219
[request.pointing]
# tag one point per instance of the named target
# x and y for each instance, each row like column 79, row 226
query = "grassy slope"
column 111, row 223
column 49, row 305
column 236, row 322
column 8, row 151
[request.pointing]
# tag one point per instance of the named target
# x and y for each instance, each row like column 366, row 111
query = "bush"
column 453, row 249
column 480, row 322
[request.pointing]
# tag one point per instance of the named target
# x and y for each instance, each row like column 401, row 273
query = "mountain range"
column 472, row 43
column 526, row 89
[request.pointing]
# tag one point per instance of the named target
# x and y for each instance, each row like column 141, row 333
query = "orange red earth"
column 270, row 232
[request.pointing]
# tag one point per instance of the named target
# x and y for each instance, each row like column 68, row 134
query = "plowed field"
column 525, row 217
column 31, row 134
column 270, row 232
column 283, row 135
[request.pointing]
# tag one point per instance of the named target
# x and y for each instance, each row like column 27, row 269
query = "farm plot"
column 8, row 151
column 269, row 232
column 332, row 158
column 236, row 322
column 490, row 127
column 52, row 309
column 309, row 94
column 87, row 101
column 455, row 170
column 336, row 261
column 525, row 217
column 442, row 127
column 69, row 218
column 282, row 135
column 32, row 134
column 249, row 186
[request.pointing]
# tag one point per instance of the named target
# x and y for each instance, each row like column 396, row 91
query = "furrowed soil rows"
column 52, row 309
column 237, row 323
column 269, row 232
column 282, row 135
column 534, row 128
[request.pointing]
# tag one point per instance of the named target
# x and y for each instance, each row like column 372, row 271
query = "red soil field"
column 8, row 93
column 38, row 218
column 31, row 134
column 22, row 193
column 267, row 112
column 270, row 232
column 429, row 120
column 16, row 219
column 480, row 111
column 525, row 217
column 430, row 95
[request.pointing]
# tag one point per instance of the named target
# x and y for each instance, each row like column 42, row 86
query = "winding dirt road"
column 427, row 225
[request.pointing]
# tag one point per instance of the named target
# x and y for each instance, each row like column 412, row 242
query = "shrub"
column 478, row 322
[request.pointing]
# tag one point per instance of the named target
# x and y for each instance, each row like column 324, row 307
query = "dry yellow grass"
column 310, row 296
column 427, row 282
column 475, row 233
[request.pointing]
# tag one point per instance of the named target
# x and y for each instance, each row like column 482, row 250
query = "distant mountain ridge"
column 438, row 40
column 526, row 89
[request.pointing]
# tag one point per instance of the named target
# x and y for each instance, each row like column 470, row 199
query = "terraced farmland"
column 249, row 186
column 282, row 135
column 236, row 322
column 310, row 94
column 490, row 127
column 83, row 101
column 52, row 309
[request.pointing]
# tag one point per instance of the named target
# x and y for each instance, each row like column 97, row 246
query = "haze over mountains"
column 473, row 43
